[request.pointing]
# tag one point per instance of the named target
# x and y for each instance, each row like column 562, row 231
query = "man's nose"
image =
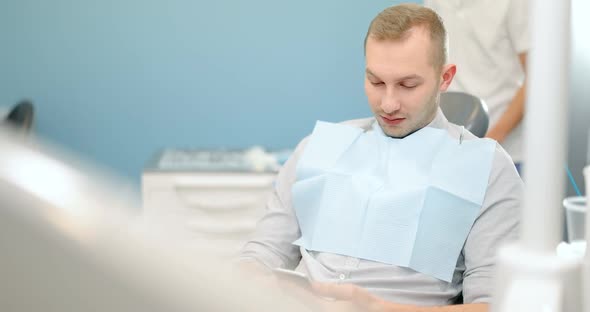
column 390, row 103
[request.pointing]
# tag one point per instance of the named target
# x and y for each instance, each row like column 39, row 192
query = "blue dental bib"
column 408, row 202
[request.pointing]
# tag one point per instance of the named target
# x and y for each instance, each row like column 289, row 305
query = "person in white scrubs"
column 488, row 41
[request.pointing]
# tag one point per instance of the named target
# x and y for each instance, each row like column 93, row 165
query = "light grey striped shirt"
column 496, row 223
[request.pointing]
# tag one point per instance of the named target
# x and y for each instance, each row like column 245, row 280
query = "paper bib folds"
column 409, row 202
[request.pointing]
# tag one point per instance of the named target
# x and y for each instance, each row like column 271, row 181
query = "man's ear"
column 447, row 74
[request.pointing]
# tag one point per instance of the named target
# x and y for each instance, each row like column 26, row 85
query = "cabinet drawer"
column 217, row 211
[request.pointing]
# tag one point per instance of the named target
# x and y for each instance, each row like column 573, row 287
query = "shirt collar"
column 439, row 121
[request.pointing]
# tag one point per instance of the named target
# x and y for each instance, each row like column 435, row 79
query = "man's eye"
column 408, row 86
column 380, row 83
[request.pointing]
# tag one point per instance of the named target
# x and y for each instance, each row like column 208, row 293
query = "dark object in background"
column 21, row 116
column 466, row 110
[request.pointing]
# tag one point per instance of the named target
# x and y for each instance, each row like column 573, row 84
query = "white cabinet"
column 217, row 209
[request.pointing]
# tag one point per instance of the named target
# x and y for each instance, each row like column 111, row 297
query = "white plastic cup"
column 575, row 218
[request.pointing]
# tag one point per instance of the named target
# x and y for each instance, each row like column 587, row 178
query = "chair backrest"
column 466, row 110
column 21, row 116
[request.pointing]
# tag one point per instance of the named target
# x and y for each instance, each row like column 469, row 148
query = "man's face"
column 401, row 84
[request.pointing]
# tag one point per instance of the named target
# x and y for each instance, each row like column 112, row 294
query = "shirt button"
column 342, row 276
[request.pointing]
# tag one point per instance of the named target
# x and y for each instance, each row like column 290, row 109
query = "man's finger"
column 338, row 292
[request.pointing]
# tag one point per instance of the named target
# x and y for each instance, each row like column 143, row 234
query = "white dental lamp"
column 530, row 275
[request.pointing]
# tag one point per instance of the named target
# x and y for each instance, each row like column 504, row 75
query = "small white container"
column 575, row 215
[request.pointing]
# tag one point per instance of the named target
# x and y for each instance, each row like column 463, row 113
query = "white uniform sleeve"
column 517, row 20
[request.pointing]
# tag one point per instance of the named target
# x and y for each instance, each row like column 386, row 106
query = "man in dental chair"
column 403, row 211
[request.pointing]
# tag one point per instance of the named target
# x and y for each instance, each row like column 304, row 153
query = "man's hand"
column 353, row 298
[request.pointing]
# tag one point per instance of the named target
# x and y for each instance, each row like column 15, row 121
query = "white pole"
column 586, row 276
column 530, row 276
column 546, row 124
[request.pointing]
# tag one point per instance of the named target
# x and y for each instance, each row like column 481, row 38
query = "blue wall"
column 117, row 80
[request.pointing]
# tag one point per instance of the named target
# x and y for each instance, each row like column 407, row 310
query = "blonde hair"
column 394, row 23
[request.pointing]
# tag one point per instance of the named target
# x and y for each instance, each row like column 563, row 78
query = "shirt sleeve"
column 518, row 25
column 271, row 244
column 497, row 224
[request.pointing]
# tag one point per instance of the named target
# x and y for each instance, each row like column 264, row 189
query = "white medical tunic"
column 485, row 39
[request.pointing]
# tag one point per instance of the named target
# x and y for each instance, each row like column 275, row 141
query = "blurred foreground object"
column 70, row 242
column 530, row 275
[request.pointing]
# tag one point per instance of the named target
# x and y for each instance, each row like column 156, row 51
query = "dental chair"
column 21, row 116
column 466, row 110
